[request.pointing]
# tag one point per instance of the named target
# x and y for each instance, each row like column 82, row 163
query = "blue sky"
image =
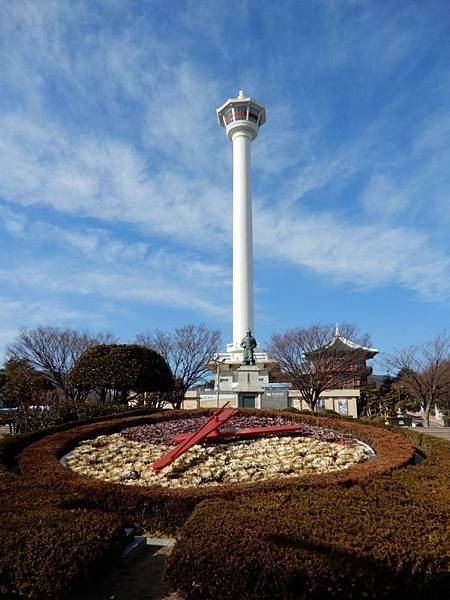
column 115, row 178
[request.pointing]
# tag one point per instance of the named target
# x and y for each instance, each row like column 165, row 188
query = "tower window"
column 228, row 116
column 240, row 112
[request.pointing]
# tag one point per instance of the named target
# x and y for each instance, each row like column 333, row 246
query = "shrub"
column 9, row 420
column 2, row 383
column 61, row 410
column 22, row 384
column 119, row 371
column 45, row 548
column 407, row 404
column 384, row 537
column 373, row 420
column 50, row 538
column 328, row 412
column 264, row 540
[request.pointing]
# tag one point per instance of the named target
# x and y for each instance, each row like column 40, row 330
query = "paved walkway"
column 434, row 430
column 4, row 430
column 140, row 579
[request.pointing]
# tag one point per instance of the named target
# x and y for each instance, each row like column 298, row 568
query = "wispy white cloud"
column 365, row 256
column 106, row 179
column 383, row 198
column 115, row 269
column 115, row 284
column 15, row 314
column 13, row 221
column 110, row 122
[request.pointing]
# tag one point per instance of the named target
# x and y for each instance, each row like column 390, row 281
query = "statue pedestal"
column 249, row 385
column 248, row 378
column 241, row 385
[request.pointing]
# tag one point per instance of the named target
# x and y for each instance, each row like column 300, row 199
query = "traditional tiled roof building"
column 347, row 361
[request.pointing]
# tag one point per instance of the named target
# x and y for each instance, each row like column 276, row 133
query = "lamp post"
column 218, row 362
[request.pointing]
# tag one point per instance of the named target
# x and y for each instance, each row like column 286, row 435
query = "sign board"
column 222, row 396
column 274, row 398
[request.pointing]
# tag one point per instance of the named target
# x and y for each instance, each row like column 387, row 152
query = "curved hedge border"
column 56, row 526
column 384, row 537
column 162, row 509
column 45, row 547
column 46, row 543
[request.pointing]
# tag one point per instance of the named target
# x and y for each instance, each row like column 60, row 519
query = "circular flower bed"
column 164, row 509
column 127, row 457
column 376, row 529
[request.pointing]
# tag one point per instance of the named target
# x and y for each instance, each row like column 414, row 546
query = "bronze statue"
column 248, row 343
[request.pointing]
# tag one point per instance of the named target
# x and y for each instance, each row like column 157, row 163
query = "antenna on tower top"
column 336, row 331
column 241, row 94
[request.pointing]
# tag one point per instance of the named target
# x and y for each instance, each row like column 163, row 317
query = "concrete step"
column 136, row 544
column 134, row 548
column 160, row 542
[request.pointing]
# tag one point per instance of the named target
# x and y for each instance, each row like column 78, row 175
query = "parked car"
column 405, row 421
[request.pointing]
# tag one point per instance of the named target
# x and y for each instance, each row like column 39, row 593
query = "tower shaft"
column 242, row 237
column 242, row 117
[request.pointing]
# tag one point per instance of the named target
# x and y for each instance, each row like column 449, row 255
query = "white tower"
column 242, row 118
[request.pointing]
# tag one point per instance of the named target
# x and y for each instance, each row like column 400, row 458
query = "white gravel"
column 115, row 459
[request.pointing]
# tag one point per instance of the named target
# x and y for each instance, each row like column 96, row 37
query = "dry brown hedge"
column 384, row 537
column 46, row 543
column 56, row 525
column 44, row 547
column 164, row 509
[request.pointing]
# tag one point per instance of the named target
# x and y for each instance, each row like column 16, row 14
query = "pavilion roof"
column 341, row 343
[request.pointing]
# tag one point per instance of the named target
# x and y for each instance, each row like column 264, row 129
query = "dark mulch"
column 164, row 432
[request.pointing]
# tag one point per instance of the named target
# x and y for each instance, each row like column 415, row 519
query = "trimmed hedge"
column 44, row 547
column 120, row 369
column 57, row 525
column 165, row 510
column 384, row 537
column 11, row 446
column 47, row 544
column 60, row 412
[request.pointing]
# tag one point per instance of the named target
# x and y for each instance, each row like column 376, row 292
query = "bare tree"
column 424, row 371
column 187, row 350
column 52, row 351
column 308, row 358
column 2, row 386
